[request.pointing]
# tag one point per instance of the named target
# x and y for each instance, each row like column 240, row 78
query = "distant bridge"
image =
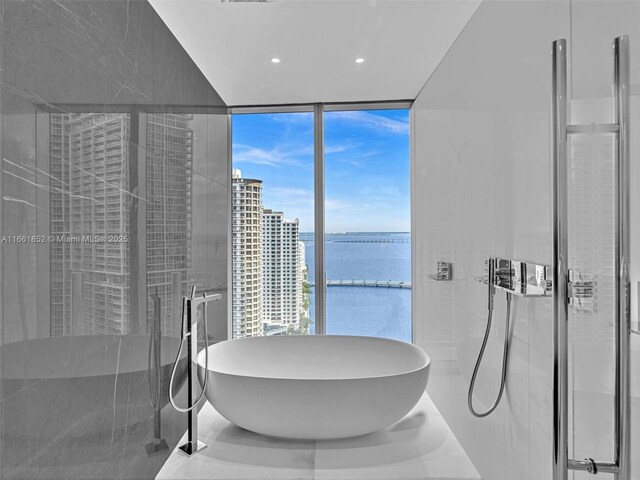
column 372, row 240
column 366, row 283
column 361, row 240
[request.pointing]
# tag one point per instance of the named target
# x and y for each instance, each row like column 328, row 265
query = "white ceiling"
column 232, row 42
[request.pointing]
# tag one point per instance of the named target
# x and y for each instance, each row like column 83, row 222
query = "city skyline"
column 366, row 167
column 268, row 265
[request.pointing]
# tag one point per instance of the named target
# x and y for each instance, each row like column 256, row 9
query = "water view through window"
column 272, row 203
column 367, row 218
column 367, row 224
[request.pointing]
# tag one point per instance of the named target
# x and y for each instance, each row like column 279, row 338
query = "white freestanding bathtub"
column 314, row 387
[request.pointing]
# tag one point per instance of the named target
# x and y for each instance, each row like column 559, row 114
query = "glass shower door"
column 592, row 234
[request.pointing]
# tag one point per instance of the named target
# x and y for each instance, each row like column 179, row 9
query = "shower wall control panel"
column 520, row 278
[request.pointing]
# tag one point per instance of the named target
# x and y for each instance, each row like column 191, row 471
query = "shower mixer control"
column 581, row 291
column 520, row 278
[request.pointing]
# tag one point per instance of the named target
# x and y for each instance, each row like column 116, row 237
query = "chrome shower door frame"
column 561, row 130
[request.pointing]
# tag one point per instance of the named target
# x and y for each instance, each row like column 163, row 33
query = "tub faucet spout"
column 190, row 334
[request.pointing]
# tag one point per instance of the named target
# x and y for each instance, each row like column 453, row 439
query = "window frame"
column 318, row 110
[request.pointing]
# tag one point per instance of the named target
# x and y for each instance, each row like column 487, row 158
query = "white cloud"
column 329, row 149
column 275, row 157
column 370, row 153
column 371, row 121
column 294, row 118
column 281, row 154
column 292, row 201
column 335, row 204
column 291, row 193
column 350, row 161
column 248, row 154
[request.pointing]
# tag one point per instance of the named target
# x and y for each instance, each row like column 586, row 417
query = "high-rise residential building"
column 90, row 198
column 60, row 259
column 169, row 177
column 246, row 231
column 304, row 272
column 302, row 260
column 89, row 181
column 282, row 274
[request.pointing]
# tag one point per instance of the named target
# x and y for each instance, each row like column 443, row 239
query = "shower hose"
column 183, row 337
column 505, row 358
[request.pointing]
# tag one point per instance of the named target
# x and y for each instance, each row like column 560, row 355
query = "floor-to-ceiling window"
column 367, row 223
column 367, row 247
column 272, row 223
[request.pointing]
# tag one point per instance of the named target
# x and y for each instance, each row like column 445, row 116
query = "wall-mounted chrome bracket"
column 592, row 466
column 444, row 272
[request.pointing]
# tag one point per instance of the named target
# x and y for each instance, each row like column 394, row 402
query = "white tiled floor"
column 420, row 446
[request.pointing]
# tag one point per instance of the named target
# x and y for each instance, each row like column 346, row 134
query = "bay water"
column 370, row 311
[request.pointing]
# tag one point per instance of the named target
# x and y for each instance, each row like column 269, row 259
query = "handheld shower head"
column 491, row 267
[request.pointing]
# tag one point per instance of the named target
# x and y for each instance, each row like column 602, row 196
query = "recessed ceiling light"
column 359, row 60
column 275, row 60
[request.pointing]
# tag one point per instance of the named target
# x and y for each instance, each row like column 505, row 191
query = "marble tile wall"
column 482, row 172
column 80, row 397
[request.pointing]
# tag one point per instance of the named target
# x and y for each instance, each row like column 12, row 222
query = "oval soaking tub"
column 314, row 387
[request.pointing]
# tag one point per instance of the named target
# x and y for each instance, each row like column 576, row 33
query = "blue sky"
column 366, row 167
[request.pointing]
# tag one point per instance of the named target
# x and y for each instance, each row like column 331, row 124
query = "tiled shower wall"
column 115, row 201
column 481, row 187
